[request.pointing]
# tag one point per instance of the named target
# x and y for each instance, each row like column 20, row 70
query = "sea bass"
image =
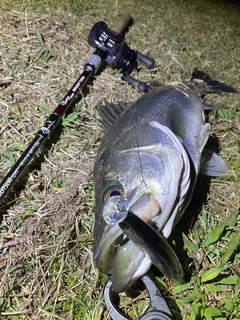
column 148, row 162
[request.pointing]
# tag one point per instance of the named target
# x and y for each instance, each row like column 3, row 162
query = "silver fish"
column 148, row 162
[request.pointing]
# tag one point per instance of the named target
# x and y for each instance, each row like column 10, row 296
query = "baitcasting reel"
column 116, row 53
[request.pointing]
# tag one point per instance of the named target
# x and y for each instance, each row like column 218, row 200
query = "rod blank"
column 43, row 133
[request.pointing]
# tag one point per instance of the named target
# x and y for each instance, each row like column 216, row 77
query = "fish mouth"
column 130, row 264
column 105, row 252
column 119, row 256
column 142, row 247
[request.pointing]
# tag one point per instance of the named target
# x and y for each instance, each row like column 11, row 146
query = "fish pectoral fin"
column 209, row 106
column 212, row 164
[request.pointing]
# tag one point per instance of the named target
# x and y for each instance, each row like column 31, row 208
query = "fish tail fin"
column 207, row 84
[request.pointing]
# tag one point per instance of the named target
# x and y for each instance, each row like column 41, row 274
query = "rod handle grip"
column 122, row 23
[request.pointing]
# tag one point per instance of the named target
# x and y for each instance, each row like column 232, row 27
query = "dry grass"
column 46, row 263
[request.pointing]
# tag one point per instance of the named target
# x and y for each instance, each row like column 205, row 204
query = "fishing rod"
column 112, row 51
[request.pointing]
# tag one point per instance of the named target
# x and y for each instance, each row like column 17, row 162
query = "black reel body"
column 116, row 52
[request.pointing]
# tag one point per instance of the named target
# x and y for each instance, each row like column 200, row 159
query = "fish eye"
column 111, row 192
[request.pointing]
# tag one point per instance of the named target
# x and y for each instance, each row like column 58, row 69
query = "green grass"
column 46, row 262
column 219, row 246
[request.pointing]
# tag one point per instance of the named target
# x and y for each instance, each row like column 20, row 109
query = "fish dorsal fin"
column 109, row 113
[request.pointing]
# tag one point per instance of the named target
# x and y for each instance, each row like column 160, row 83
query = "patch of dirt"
column 56, row 217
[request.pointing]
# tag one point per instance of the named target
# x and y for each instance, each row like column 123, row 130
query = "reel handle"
column 147, row 61
column 141, row 85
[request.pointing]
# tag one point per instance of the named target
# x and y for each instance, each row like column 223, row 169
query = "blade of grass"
column 40, row 38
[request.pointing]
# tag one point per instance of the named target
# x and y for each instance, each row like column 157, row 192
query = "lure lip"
column 154, row 245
